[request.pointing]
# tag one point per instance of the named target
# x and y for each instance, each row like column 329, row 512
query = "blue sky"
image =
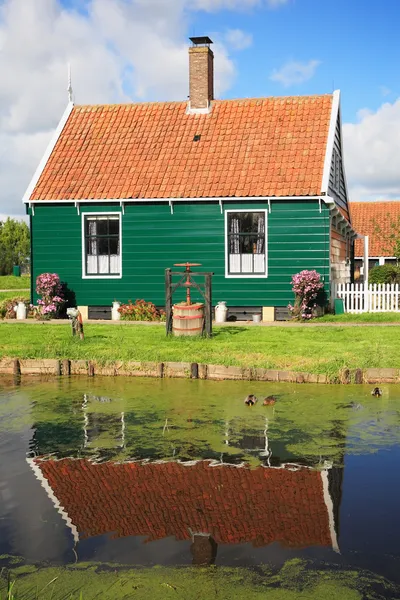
column 136, row 50
column 354, row 40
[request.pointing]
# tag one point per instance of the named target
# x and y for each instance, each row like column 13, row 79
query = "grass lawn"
column 7, row 295
column 384, row 317
column 313, row 350
column 9, row 282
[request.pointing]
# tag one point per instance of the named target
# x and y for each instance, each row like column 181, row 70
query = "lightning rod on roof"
column 69, row 88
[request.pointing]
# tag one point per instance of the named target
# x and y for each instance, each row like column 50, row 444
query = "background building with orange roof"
column 380, row 221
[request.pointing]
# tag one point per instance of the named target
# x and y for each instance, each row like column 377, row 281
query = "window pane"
column 91, row 227
column 102, row 227
column 245, row 222
column 103, row 246
column 114, row 246
column 114, row 226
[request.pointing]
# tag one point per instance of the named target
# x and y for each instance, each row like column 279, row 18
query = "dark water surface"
column 148, row 472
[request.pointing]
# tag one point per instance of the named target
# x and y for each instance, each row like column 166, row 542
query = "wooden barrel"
column 188, row 319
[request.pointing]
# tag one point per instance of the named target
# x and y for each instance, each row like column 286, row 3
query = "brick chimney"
column 201, row 74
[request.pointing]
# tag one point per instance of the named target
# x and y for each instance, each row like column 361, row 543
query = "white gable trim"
column 329, row 507
column 342, row 162
column 217, row 199
column 48, row 152
column 331, row 141
column 35, row 466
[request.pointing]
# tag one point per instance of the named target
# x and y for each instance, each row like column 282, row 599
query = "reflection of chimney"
column 203, row 549
column 201, row 73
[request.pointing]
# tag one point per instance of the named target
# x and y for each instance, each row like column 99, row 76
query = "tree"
column 14, row 245
column 390, row 235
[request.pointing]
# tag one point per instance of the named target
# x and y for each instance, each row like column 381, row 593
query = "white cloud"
column 295, row 72
column 371, row 152
column 238, row 39
column 385, row 91
column 119, row 50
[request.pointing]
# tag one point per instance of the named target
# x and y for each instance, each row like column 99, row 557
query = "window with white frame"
column 246, row 243
column 102, row 245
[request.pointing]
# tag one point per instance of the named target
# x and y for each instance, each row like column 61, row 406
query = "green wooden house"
column 253, row 189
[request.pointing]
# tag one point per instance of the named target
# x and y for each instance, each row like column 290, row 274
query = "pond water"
column 178, row 473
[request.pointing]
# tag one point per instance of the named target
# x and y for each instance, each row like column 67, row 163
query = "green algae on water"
column 295, row 581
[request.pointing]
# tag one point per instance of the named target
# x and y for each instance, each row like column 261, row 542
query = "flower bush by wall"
column 49, row 287
column 140, row 311
column 306, row 286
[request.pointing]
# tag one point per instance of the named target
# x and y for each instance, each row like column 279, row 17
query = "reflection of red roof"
column 250, row 147
column 366, row 216
column 157, row 500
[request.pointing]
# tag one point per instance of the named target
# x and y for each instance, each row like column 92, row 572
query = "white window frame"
column 100, row 214
column 239, row 275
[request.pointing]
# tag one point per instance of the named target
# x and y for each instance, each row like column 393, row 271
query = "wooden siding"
column 154, row 239
column 338, row 193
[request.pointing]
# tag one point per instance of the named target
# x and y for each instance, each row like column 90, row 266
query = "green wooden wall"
column 154, row 239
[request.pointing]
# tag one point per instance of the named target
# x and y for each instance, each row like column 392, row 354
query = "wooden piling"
column 66, row 367
column 16, row 367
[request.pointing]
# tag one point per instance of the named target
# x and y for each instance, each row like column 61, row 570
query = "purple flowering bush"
column 49, row 287
column 306, row 286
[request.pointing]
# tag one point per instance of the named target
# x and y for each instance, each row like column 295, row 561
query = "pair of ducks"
column 251, row 400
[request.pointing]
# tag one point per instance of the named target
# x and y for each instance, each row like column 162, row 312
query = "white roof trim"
column 343, row 167
column 46, row 486
column 48, row 152
column 329, row 508
column 217, row 199
column 376, row 257
column 330, row 141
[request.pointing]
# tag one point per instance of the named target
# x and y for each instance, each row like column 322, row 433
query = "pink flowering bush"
column 306, row 286
column 49, row 287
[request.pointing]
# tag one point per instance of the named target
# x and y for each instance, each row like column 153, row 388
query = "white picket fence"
column 360, row 297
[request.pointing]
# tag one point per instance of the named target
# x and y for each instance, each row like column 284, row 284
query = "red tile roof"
column 253, row 147
column 157, row 500
column 365, row 216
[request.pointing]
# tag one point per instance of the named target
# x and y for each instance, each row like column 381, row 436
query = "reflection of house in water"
column 295, row 505
column 105, row 430
column 235, row 505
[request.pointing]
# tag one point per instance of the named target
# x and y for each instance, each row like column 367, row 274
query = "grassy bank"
column 9, row 295
column 9, row 282
column 307, row 349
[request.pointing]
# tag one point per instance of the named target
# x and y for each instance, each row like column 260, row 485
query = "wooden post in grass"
column 168, row 301
column 208, row 305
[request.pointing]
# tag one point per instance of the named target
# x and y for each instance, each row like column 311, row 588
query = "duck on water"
column 251, row 400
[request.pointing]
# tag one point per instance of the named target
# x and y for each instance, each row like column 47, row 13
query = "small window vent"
column 197, row 137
